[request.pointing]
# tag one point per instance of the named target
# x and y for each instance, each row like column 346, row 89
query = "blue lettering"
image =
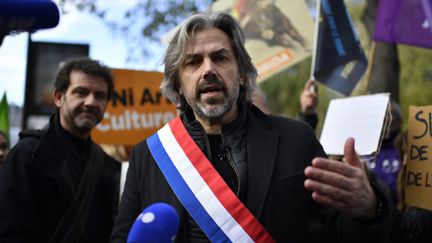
column 333, row 28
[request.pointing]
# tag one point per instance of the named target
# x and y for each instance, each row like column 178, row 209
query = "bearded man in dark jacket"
column 233, row 173
column 57, row 185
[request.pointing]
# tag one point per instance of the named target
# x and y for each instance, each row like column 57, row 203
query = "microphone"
column 158, row 223
column 27, row 15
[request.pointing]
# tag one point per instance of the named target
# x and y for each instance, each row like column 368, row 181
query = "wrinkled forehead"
column 208, row 36
column 80, row 79
column 192, row 32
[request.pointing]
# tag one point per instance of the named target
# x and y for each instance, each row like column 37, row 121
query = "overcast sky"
column 74, row 27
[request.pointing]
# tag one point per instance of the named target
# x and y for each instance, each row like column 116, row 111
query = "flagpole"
column 317, row 20
column 370, row 64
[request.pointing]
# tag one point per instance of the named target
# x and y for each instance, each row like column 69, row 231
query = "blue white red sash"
column 201, row 190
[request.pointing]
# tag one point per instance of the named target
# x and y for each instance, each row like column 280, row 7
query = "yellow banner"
column 137, row 109
column 418, row 184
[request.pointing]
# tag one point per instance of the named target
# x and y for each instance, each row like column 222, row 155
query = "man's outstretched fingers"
column 350, row 154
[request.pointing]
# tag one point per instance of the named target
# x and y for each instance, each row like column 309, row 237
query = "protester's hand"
column 309, row 98
column 344, row 186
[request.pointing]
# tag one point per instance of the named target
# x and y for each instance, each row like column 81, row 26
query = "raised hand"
column 344, row 186
column 309, row 98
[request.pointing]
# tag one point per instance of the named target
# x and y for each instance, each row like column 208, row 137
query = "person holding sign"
column 309, row 103
column 233, row 173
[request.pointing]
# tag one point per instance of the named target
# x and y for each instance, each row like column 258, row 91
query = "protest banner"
column 404, row 21
column 418, row 178
column 137, row 109
column 278, row 33
column 338, row 60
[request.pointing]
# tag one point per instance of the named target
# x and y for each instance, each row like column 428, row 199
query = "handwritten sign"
column 137, row 109
column 418, row 180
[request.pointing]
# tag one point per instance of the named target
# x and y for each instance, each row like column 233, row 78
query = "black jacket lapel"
column 261, row 151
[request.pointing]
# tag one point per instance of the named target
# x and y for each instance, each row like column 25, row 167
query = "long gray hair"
column 177, row 50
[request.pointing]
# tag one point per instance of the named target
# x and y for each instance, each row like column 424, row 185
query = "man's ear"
column 57, row 96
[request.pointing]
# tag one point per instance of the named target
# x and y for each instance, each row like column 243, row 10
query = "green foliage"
column 416, row 78
column 143, row 24
column 283, row 92
column 283, row 89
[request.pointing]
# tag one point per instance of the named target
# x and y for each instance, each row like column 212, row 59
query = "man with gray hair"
column 233, row 173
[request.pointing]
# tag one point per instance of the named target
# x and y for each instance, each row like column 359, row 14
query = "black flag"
column 339, row 61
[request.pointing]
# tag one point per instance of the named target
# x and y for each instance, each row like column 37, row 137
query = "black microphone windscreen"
column 27, row 15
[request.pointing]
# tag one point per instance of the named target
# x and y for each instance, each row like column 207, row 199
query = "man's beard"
column 209, row 109
column 212, row 113
column 84, row 123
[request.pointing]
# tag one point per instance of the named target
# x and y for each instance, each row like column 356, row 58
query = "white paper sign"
column 360, row 117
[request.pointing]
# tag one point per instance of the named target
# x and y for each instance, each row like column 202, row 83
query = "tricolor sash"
column 200, row 188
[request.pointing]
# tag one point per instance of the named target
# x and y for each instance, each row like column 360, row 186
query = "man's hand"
column 309, row 98
column 344, row 186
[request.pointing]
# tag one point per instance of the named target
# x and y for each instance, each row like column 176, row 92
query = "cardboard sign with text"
column 137, row 109
column 418, row 181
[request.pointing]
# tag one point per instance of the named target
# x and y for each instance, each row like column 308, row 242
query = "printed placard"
column 137, row 109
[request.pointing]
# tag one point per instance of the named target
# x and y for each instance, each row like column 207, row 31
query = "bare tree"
column 142, row 24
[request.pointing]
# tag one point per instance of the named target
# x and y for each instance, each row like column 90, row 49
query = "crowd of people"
column 232, row 170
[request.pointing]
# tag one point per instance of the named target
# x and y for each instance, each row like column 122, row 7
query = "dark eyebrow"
column 190, row 56
column 78, row 88
column 217, row 52
column 221, row 51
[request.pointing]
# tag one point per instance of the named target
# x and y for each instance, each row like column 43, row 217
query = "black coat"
column 413, row 226
column 278, row 151
column 37, row 188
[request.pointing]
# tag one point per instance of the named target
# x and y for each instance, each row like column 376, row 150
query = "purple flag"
column 427, row 7
column 404, row 21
